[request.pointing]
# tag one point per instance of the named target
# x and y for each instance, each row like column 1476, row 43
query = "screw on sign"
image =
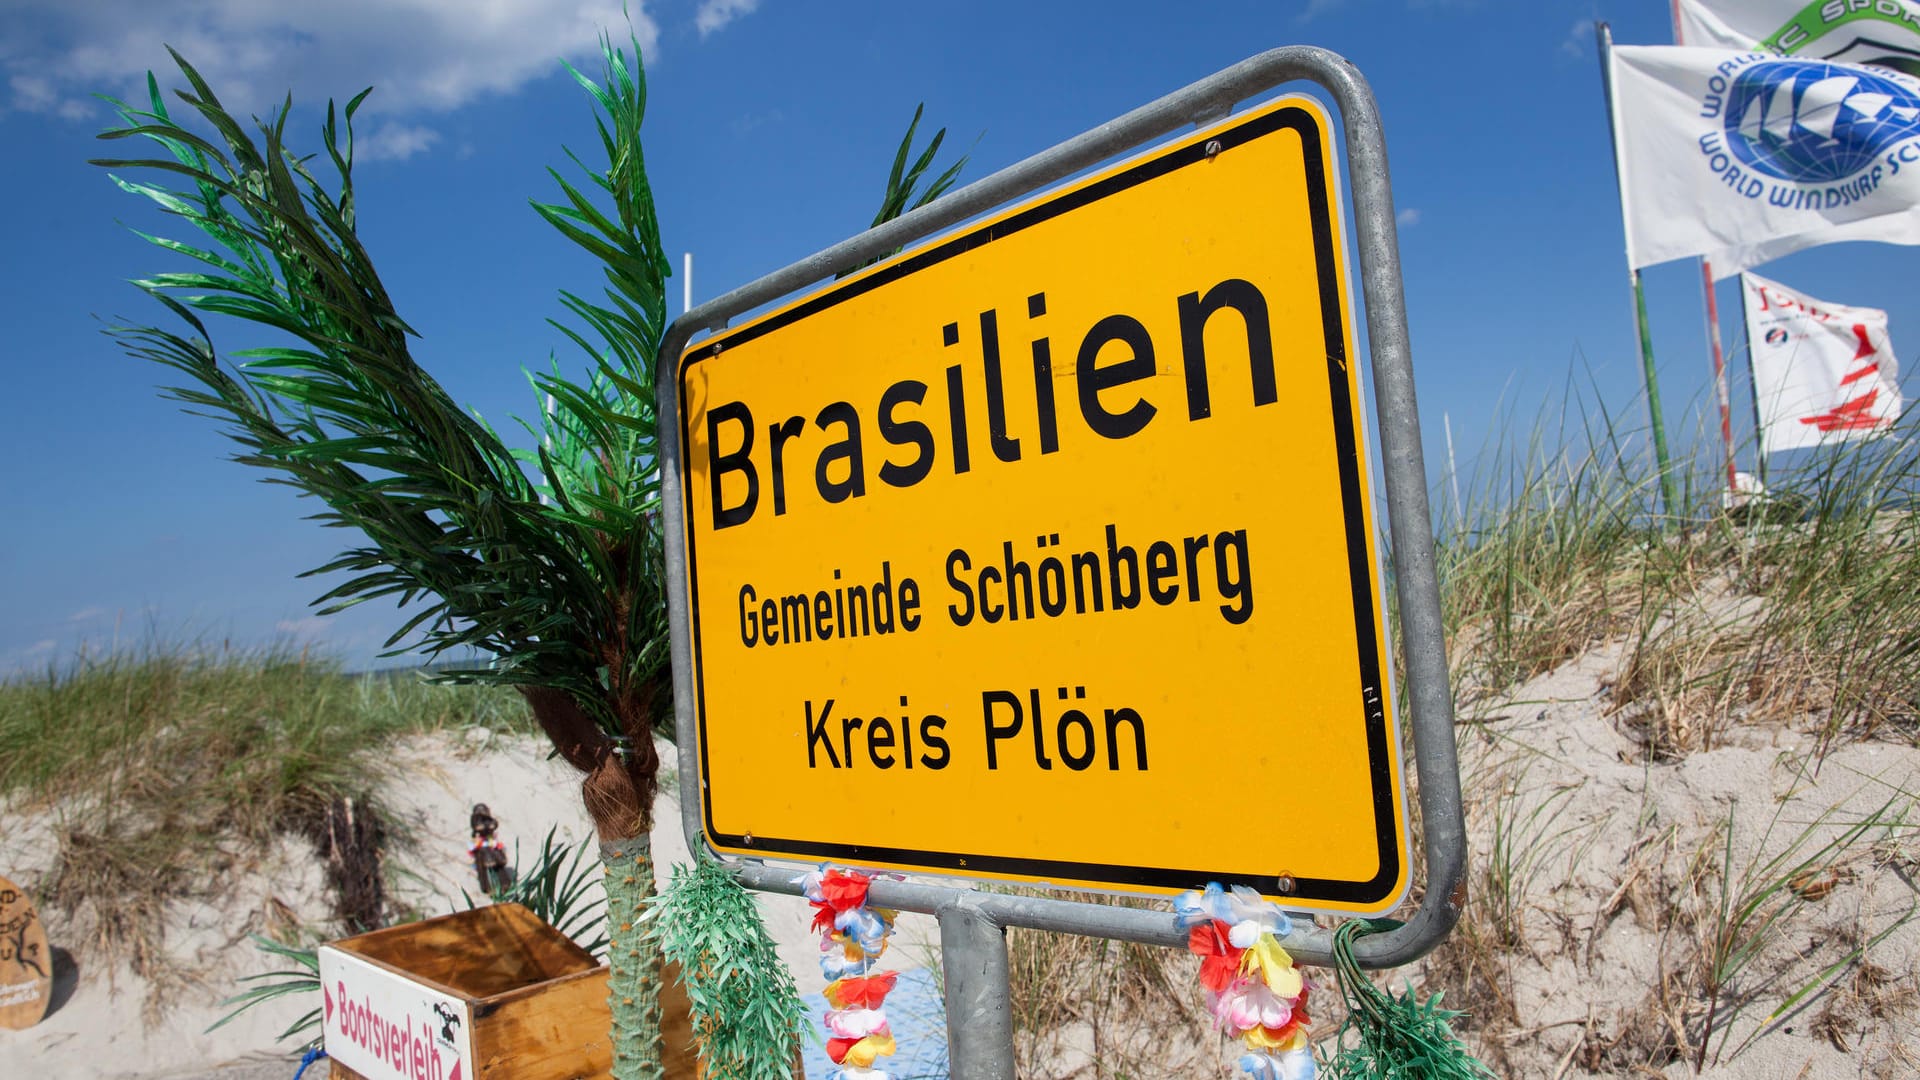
column 26, row 969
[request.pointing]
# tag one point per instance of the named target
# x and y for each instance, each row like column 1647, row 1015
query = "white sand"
column 1617, row 842
column 99, row 1032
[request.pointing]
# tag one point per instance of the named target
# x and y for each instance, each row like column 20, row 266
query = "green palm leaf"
column 450, row 517
column 903, row 190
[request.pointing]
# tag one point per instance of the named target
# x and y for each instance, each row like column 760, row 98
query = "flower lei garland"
column 1253, row 988
column 852, row 937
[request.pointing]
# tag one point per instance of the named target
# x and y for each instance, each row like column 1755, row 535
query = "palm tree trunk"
column 633, row 987
column 618, row 792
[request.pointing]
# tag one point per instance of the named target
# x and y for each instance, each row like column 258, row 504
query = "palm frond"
column 338, row 408
column 559, row 888
column 903, row 190
column 302, row 978
column 598, row 451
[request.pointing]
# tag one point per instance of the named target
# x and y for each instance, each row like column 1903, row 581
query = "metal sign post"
column 710, row 522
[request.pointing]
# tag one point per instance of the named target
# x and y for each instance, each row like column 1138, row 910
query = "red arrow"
column 1858, row 373
column 1863, row 352
column 1850, row 416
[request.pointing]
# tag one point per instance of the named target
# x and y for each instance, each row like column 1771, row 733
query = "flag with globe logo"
column 1743, row 157
column 1884, row 33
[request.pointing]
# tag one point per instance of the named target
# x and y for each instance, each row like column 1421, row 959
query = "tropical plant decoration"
column 564, row 592
column 746, row 1013
column 903, row 183
column 557, row 576
column 302, row 977
column 557, row 886
column 1396, row 1036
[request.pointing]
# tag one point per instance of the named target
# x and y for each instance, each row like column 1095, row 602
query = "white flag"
column 1822, row 372
column 1882, row 32
column 1744, row 157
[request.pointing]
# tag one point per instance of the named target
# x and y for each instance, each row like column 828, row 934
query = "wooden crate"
column 487, row 994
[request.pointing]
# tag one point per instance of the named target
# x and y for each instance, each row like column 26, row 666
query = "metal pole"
column 1669, row 501
column 1720, row 374
column 973, row 960
column 1416, row 574
column 1753, row 388
column 1453, row 477
column 1713, row 329
column 547, row 441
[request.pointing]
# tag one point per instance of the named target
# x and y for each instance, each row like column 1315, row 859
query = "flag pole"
column 1453, row 476
column 1753, row 388
column 1713, row 330
column 1669, row 501
column 1720, row 374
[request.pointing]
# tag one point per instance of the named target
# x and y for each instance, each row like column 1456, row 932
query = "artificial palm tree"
column 547, row 560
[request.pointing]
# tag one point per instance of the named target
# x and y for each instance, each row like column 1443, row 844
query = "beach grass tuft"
column 165, row 772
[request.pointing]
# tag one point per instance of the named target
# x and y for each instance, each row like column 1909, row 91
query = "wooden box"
column 487, row 994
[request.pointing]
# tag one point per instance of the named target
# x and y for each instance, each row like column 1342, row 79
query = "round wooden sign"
column 26, row 968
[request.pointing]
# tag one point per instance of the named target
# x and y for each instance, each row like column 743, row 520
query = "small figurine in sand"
column 488, row 851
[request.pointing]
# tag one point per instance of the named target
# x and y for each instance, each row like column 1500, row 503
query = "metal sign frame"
column 972, row 923
column 1249, row 201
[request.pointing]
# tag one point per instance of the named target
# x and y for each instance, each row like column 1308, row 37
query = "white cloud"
column 37, row 94
column 1408, row 217
column 743, row 125
column 393, row 142
column 1577, row 39
column 716, row 14
column 33, row 93
column 1316, row 8
column 312, row 624
column 30, row 661
column 421, row 55
column 86, row 614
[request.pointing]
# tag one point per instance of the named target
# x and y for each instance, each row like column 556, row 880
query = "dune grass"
column 1086, row 1006
column 1791, row 613
column 274, row 724
column 1792, row 609
column 164, row 772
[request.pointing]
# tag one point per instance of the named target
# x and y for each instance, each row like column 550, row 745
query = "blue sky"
column 769, row 130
